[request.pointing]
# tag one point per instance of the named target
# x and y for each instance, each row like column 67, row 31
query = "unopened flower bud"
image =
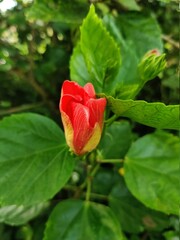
column 151, row 65
column 82, row 116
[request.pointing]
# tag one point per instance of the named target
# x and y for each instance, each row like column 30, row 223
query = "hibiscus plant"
column 116, row 185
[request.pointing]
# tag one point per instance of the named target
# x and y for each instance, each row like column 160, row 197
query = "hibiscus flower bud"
column 82, row 116
column 152, row 63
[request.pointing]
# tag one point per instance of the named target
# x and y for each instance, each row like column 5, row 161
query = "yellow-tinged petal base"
column 94, row 140
column 69, row 132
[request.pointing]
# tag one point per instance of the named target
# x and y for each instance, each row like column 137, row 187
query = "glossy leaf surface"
column 34, row 160
column 78, row 220
column 133, row 216
column 156, row 115
column 152, row 171
column 18, row 215
column 116, row 140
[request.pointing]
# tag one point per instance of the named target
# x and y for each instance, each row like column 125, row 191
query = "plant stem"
column 70, row 187
column 89, row 180
column 111, row 120
column 110, row 161
column 21, row 108
column 88, row 191
column 92, row 195
column 170, row 40
column 95, row 169
column 99, row 196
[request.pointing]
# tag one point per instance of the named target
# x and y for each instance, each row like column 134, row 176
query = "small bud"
column 82, row 116
column 151, row 65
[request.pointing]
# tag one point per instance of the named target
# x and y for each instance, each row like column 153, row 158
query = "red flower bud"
column 82, row 116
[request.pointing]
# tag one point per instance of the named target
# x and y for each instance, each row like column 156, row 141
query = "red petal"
column 82, row 130
column 68, row 103
column 96, row 111
column 72, row 88
column 89, row 89
column 65, row 105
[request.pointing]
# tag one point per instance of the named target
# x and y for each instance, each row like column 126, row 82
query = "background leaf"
column 141, row 32
column 78, row 220
column 18, row 215
column 134, row 217
column 78, row 68
column 136, row 34
column 129, row 4
column 34, row 161
column 105, row 179
column 116, row 140
column 156, row 115
column 59, row 11
column 152, row 171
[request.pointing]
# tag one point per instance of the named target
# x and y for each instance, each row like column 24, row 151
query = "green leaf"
column 116, row 140
column 78, row 67
column 127, row 79
column 78, row 220
column 156, row 115
column 63, row 11
column 18, row 215
column 101, row 63
column 141, row 32
column 133, row 216
column 152, row 171
column 34, row 161
column 171, row 235
column 136, row 34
